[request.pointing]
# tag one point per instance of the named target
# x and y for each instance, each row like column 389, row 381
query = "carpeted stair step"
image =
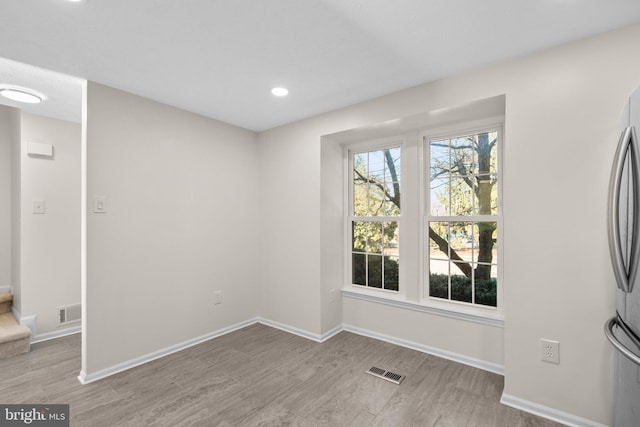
column 14, row 338
column 6, row 300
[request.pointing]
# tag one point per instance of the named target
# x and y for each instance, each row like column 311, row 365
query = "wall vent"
column 69, row 314
column 386, row 375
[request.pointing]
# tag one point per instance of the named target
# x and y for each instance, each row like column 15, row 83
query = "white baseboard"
column 56, row 334
column 547, row 412
column 465, row 360
column 301, row 332
column 28, row 321
column 85, row 378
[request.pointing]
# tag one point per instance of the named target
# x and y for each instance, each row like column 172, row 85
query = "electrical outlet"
column 217, row 297
column 550, row 351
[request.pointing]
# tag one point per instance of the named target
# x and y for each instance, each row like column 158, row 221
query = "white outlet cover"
column 550, row 351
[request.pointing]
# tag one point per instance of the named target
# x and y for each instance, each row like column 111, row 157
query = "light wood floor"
column 260, row 376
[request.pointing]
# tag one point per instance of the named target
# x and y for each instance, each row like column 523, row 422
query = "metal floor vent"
column 386, row 375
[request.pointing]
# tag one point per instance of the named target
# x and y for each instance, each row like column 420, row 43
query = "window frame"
column 349, row 151
column 425, row 137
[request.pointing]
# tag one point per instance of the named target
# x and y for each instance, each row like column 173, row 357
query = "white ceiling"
column 220, row 58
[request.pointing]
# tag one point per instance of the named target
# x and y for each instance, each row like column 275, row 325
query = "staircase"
column 14, row 338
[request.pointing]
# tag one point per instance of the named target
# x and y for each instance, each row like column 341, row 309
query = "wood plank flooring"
column 261, row 376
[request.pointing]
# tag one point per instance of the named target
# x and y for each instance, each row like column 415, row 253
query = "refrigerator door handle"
column 625, row 274
column 608, row 332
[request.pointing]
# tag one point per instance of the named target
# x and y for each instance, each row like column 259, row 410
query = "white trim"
column 103, row 373
column 408, row 305
column 28, row 321
column 547, row 412
column 6, row 289
column 455, row 357
column 301, row 332
column 56, row 334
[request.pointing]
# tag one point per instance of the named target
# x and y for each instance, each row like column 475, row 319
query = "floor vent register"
column 386, row 375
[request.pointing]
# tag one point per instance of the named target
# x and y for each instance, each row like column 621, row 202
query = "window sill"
column 399, row 302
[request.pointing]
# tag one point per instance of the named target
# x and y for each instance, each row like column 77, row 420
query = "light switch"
column 100, row 204
column 38, row 207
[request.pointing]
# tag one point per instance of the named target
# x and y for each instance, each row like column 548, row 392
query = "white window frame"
column 350, row 150
column 445, row 133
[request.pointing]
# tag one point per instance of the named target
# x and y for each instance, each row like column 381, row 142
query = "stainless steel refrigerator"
column 623, row 329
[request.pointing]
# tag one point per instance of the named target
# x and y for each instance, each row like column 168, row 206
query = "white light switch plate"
column 100, row 204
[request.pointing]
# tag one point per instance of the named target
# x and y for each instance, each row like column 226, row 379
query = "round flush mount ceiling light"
column 279, row 91
column 21, row 94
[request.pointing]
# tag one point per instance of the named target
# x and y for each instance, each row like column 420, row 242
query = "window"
column 462, row 217
column 375, row 218
column 422, row 217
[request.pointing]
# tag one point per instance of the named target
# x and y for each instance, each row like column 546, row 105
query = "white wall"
column 562, row 115
column 49, row 242
column 6, row 131
column 181, row 223
column 12, row 120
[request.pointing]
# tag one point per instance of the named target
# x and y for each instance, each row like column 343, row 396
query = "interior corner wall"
column 331, row 234
column 561, row 131
column 49, row 242
column 9, row 132
column 290, row 290
column 180, row 223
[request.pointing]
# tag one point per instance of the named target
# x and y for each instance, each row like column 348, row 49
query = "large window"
column 374, row 218
column 462, row 217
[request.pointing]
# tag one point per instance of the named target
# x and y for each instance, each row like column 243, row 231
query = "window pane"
column 438, row 239
column 374, row 272
column 360, row 198
column 439, row 158
column 462, row 196
column 374, row 238
column 487, row 195
column 392, row 165
column 360, row 186
column 440, row 197
column 361, row 163
column 486, row 283
column 487, row 152
column 463, row 156
column 460, row 283
column 359, row 269
column 392, row 197
column 391, row 238
column 439, row 278
column 461, row 239
column 484, row 236
column 377, row 163
column 359, row 236
column 377, row 200
column 391, row 268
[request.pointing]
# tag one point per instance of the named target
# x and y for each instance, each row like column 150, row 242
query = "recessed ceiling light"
column 279, row 91
column 21, row 94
